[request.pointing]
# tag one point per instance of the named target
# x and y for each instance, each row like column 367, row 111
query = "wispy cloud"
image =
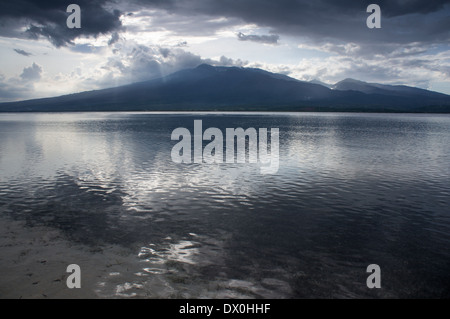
column 22, row 52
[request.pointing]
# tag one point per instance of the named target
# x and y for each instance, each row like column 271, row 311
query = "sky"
column 123, row 42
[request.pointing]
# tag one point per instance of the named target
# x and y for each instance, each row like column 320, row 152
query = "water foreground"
column 100, row 190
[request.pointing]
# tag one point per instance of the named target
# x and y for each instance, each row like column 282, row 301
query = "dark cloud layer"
column 328, row 20
column 47, row 18
column 319, row 21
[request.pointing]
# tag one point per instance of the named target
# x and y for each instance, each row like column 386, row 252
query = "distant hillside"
column 231, row 88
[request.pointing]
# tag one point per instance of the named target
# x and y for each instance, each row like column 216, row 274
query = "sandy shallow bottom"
column 34, row 261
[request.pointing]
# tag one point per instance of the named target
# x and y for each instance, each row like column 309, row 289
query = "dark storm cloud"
column 47, row 19
column 22, row 52
column 270, row 39
column 320, row 21
column 328, row 20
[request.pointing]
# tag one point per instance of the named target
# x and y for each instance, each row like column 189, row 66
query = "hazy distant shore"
column 253, row 111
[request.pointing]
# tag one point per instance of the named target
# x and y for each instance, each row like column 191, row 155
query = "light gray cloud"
column 20, row 87
column 136, row 63
column 32, row 73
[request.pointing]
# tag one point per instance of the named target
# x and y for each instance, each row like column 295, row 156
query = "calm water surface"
column 351, row 190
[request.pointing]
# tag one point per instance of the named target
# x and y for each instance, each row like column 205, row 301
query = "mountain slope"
column 394, row 90
column 230, row 88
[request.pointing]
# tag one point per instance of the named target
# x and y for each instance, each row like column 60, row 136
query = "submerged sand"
column 34, row 261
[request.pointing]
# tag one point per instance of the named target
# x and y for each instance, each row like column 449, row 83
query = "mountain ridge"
column 215, row 88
